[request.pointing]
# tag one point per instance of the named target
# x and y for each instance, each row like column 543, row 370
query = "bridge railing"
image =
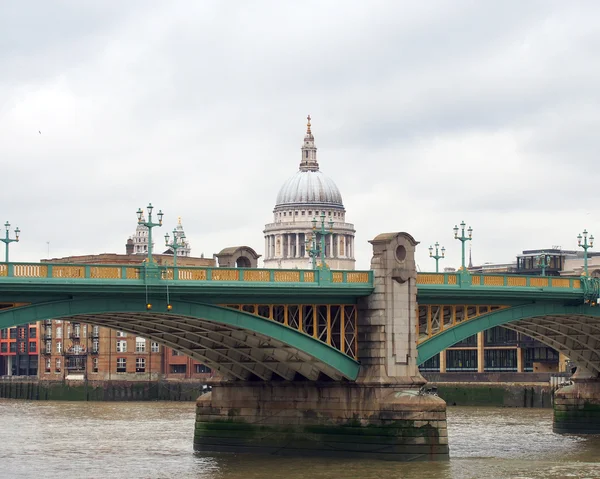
column 499, row 280
column 182, row 273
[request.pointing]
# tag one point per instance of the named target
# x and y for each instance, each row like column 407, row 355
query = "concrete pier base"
column 577, row 406
column 327, row 419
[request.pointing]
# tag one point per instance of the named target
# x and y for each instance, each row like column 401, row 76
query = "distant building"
column 74, row 350
column 303, row 200
column 19, row 348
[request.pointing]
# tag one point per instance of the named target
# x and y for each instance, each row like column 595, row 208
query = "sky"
column 425, row 114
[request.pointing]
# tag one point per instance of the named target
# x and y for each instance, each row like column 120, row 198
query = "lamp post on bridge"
column 8, row 240
column 543, row 262
column 462, row 238
column 585, row 247
column 178, row 242
column 311, row 244
column 437, row 256
column 149, row 224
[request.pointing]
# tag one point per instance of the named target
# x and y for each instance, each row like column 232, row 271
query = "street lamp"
column 178, row 242
column 437, row 256
column 543, row 262
column 148, row 224
column 585, row 247
column 8, row 240
column 462, row 238
column 311, row 243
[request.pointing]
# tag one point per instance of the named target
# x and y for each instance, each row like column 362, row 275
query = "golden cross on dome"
column 179, row 220
column 308, row 124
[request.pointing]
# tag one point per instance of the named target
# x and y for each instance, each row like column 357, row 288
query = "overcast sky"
column 424, row 113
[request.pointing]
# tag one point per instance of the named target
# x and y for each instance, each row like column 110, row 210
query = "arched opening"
column 236, row 344
column 242, row 262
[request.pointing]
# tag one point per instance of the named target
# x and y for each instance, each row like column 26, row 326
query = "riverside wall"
column 101, row 390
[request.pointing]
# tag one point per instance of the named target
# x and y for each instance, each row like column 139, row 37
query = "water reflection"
column 154, row 440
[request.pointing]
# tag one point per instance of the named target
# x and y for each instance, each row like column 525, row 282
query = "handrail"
column 74, row 271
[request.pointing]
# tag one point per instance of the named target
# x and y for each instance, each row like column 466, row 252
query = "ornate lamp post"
column 178, row 242
column 149, row 224
column 437, row 256
column 585, row 247
column 8, row 240
column 543, row 262
column 462, row 238
column 312, row 249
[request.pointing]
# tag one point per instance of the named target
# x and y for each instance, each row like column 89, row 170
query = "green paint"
column 266, row 328
column 429, row 348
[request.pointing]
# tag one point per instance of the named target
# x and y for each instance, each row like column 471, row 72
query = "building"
column 306, row 199
column 75, row 350
column 499, row 349
column 19, row 348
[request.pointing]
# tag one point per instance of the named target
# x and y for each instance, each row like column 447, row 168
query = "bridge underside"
column 576, row 336
column 234, row 343
column 234, row 352
column 571, row 330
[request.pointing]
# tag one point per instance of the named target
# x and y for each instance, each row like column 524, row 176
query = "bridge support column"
column 384, row 414
column 577, row 406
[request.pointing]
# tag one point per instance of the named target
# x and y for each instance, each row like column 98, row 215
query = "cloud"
column 425, row 114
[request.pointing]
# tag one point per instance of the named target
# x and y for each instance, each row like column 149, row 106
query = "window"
column 296, row 213
column 4, row 334
column 310, row 213
column 178, row 368
column 121, row 365
column 95, row 331
column 13, row 347
column 176, row 353
column 95, row 346
column 13, row 333
column 48, row 366
column 121, row 346
column 140, row 365
column 3, row 348
column 22, row 333
column 58, row 347
column 121, row 334
column 303, row 213
column 306, row 154
column 155, row 348
column 59, row 332
column 48, row 347
column 94, row 365
column 461, row 360
column 32, row 333
column 201, row 368
column 140, row 345
column 57, row 365
column 32, row 347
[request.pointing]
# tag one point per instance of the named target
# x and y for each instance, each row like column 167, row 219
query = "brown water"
column 154, row 440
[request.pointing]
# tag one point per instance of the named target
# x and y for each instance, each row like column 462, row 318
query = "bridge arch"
column 237, row 344
column 571, row 330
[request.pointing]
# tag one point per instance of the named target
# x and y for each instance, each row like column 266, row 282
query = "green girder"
column 324, row 357
column 441, row 341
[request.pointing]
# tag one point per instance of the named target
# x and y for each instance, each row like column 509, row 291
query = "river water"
column 41, row 439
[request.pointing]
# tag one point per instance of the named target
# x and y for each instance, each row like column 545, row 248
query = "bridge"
column 320, row 360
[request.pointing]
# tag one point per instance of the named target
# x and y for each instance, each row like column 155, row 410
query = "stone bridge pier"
column 381, row 415
column 577, row 406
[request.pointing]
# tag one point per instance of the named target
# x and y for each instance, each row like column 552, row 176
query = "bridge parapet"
column 70, row 271
column 500, row 280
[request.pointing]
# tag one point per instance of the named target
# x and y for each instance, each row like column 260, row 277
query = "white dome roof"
column 309, row 188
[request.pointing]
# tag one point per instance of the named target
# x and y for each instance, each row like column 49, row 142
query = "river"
column 154, row 440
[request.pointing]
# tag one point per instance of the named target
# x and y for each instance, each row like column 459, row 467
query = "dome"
column 307, row 188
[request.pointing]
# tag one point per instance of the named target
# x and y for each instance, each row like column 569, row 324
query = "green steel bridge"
column 284, row 324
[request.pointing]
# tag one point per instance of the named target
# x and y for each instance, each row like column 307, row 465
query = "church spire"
column 309, row 151
column 470, row 260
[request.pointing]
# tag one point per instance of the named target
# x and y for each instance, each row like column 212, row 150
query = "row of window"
column 336, row 214
column 494, row 359
column 22, row 348
column 121, row 363
column 20, row 333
